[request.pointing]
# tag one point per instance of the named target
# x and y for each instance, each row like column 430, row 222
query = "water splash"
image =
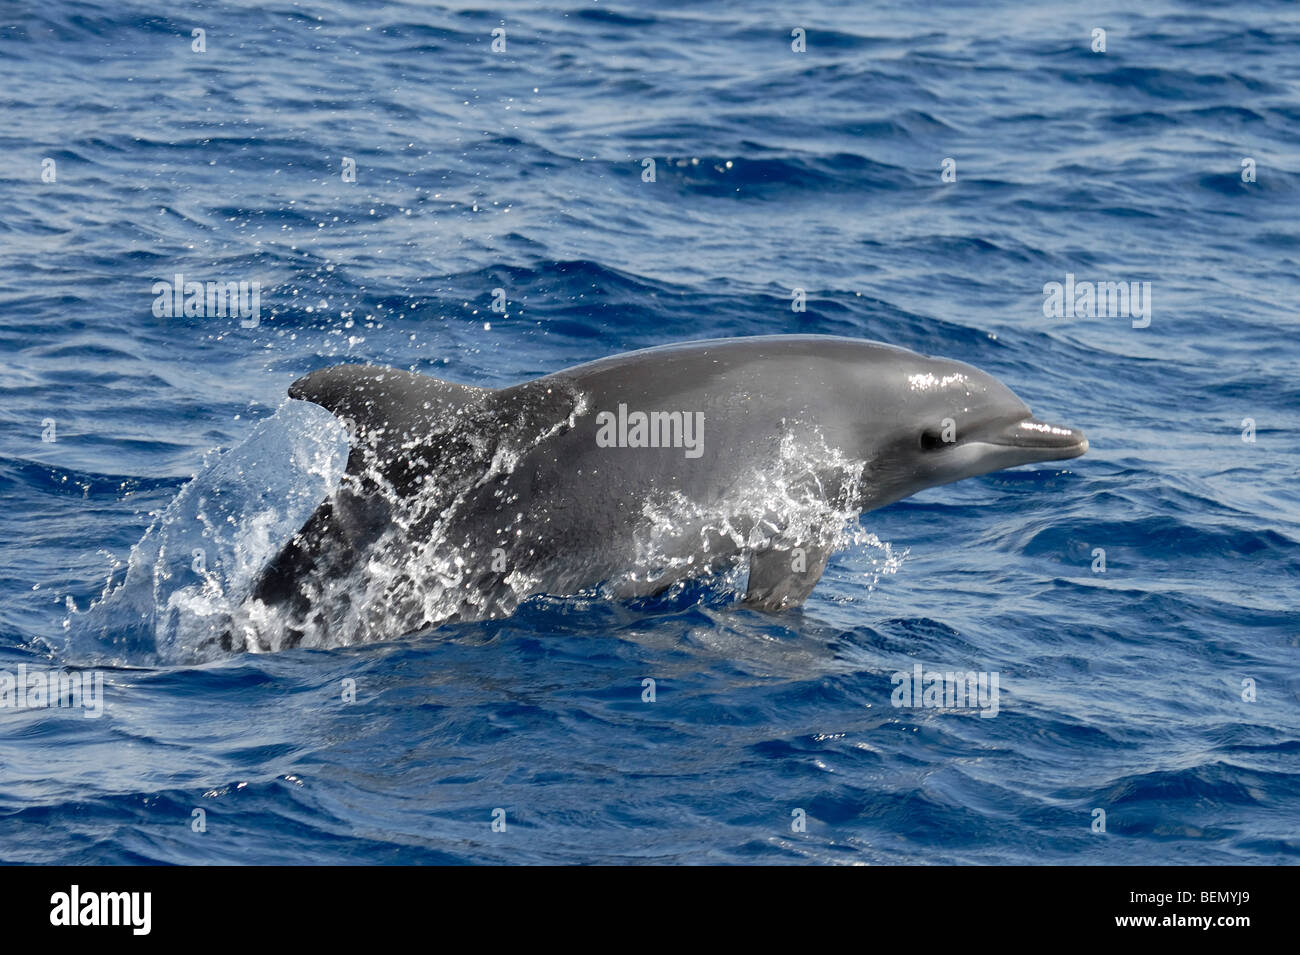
column 805, row 496
column 189, row 592
column 187, row 579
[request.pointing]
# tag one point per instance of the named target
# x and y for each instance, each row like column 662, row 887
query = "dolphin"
column 625, row 475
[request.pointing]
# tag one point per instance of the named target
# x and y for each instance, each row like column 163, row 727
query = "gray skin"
column 569, row 515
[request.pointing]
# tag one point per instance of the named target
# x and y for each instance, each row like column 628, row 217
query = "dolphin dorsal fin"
column 410, row 427
column 377, row 399
column 399, row 423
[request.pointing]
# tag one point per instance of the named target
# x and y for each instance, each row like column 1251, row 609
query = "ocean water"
column 1160, row 688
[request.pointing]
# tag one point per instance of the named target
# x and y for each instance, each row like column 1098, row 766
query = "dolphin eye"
column 932, row 441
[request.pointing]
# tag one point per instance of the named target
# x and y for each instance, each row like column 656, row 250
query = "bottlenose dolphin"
column 629, row 473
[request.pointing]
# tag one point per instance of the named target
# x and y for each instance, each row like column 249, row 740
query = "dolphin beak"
column 1041, row 441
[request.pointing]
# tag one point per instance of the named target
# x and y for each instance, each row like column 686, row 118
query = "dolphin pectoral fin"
column 784, row 575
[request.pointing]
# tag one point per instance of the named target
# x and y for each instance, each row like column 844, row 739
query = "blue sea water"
column 1163, row 690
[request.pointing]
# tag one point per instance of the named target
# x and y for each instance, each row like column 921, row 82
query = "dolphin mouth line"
column 1051, row 441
